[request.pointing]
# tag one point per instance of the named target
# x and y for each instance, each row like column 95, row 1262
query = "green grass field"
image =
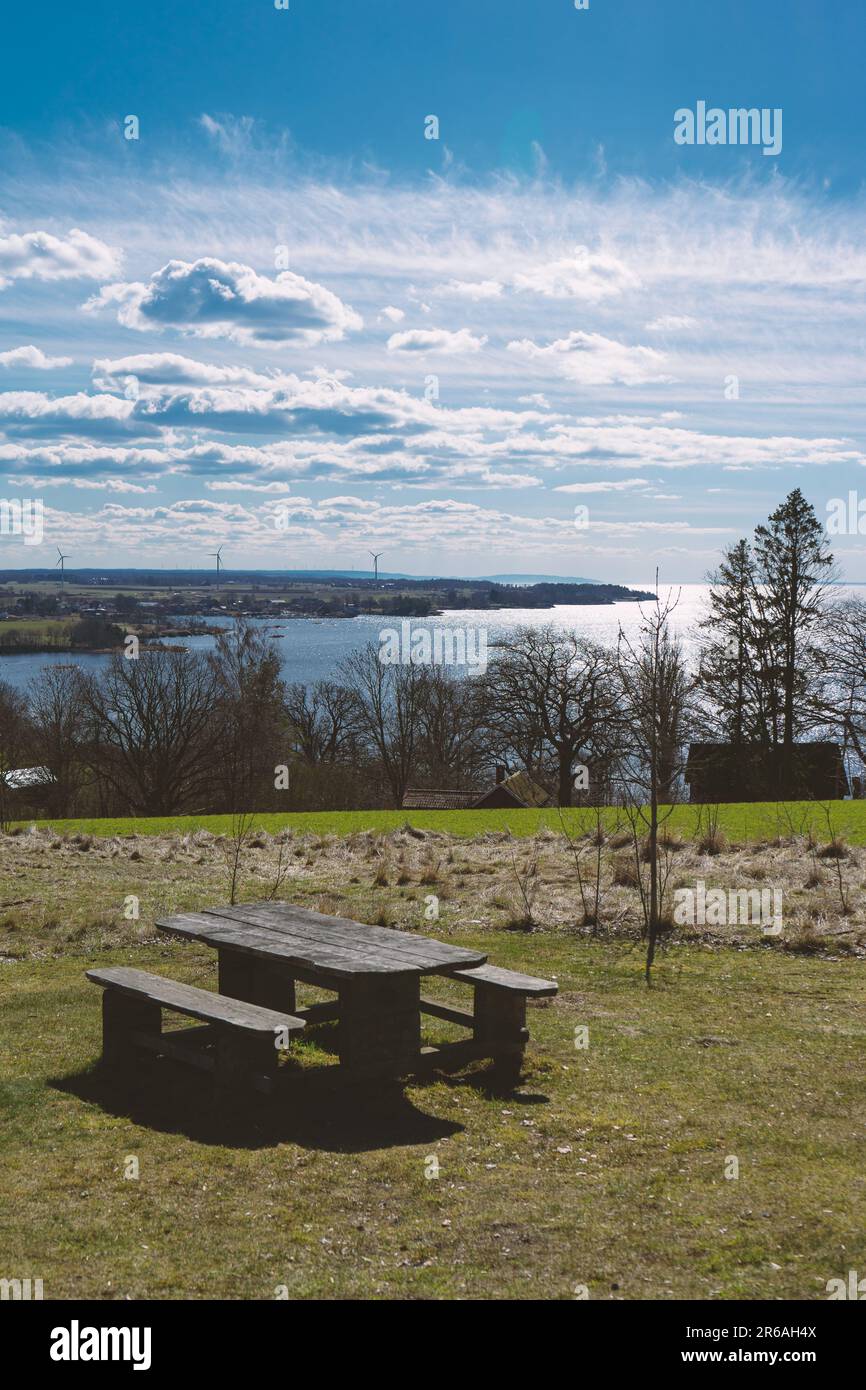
column 607, row 1169
column 611, row 1167
column 49, row 630
column 756, row 821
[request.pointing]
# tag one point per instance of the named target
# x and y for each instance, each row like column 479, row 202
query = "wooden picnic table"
column 376, row 972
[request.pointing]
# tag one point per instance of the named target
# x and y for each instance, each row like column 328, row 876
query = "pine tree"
column 761, row 665
column 728, row 652
column 793, row 566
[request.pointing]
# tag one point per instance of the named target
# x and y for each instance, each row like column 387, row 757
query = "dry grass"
column 59, row 894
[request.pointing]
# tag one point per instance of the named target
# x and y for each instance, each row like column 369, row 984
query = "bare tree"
column 551, row 694
column 587, row 852
column 389, row 702
column 151, row 730
column 14, row 740
column 450, row 751
column 655, row 689
column 249, row 716
column 322, row 721
column 57, row 709
column 845, row 695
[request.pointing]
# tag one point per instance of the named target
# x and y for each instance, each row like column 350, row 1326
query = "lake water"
column 313, row 648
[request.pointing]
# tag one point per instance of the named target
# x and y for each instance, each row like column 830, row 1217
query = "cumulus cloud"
column 43, row 256
column 585, row 275
column 442, row 340
column 452, row 527
column 209, row 298
column 34, row 413
column 709, row 275
column 173, row 369
column 590, row 359
column 32, row 357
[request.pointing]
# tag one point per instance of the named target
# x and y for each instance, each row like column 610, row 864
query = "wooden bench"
column 498, row 1018
column 242, row 1041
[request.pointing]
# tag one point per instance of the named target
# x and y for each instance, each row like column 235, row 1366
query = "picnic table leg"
column 122, row 1017
column 500, row 1025
column 379, row 1030
column 237, row 1060
column 256, row 981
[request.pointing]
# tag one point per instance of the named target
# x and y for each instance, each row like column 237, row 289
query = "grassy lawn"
column 740, row 821
column 605, row 1169
column 50, row 630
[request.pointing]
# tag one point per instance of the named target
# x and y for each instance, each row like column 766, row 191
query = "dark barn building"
column 717, row 772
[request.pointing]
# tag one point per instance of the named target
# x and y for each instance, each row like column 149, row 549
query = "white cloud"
column 454, row 529
column 36, row 405
column 86, row 484
column 584, row 275
column 593, row 360
column 470, row 289
column 210, row 298
column 173, row 369
column 231, row 134
column 436, row 340
column 43, row 256
column 710, row 274
column 32, row 357
column 611, row 485
column 670, row 323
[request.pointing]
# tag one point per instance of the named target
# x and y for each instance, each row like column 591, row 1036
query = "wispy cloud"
column 582, row 333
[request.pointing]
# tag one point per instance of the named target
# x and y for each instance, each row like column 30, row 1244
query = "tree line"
column 776, row 661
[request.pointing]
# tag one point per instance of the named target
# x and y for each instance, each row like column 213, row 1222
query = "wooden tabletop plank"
column 310, row 955
column 373, row 942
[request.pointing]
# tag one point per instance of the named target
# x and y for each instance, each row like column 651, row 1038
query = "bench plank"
column 196, row 1003
column 497, row 978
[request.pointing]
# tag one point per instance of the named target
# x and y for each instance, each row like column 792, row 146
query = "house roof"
column 519, row 786
column 431, row 799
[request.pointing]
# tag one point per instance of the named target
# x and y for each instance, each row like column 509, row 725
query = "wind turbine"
column 60, row 563
column 375, row 554
column 215, row 555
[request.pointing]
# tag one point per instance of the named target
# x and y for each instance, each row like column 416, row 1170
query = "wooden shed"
column 719, row 772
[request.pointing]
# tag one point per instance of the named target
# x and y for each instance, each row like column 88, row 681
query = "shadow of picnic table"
column 311, row 1111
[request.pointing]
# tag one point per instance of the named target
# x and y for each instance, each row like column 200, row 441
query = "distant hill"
column 132, row 577
column 163, row 577
column 538, row 579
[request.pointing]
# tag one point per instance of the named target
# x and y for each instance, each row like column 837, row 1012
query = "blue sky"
column 284, row 321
